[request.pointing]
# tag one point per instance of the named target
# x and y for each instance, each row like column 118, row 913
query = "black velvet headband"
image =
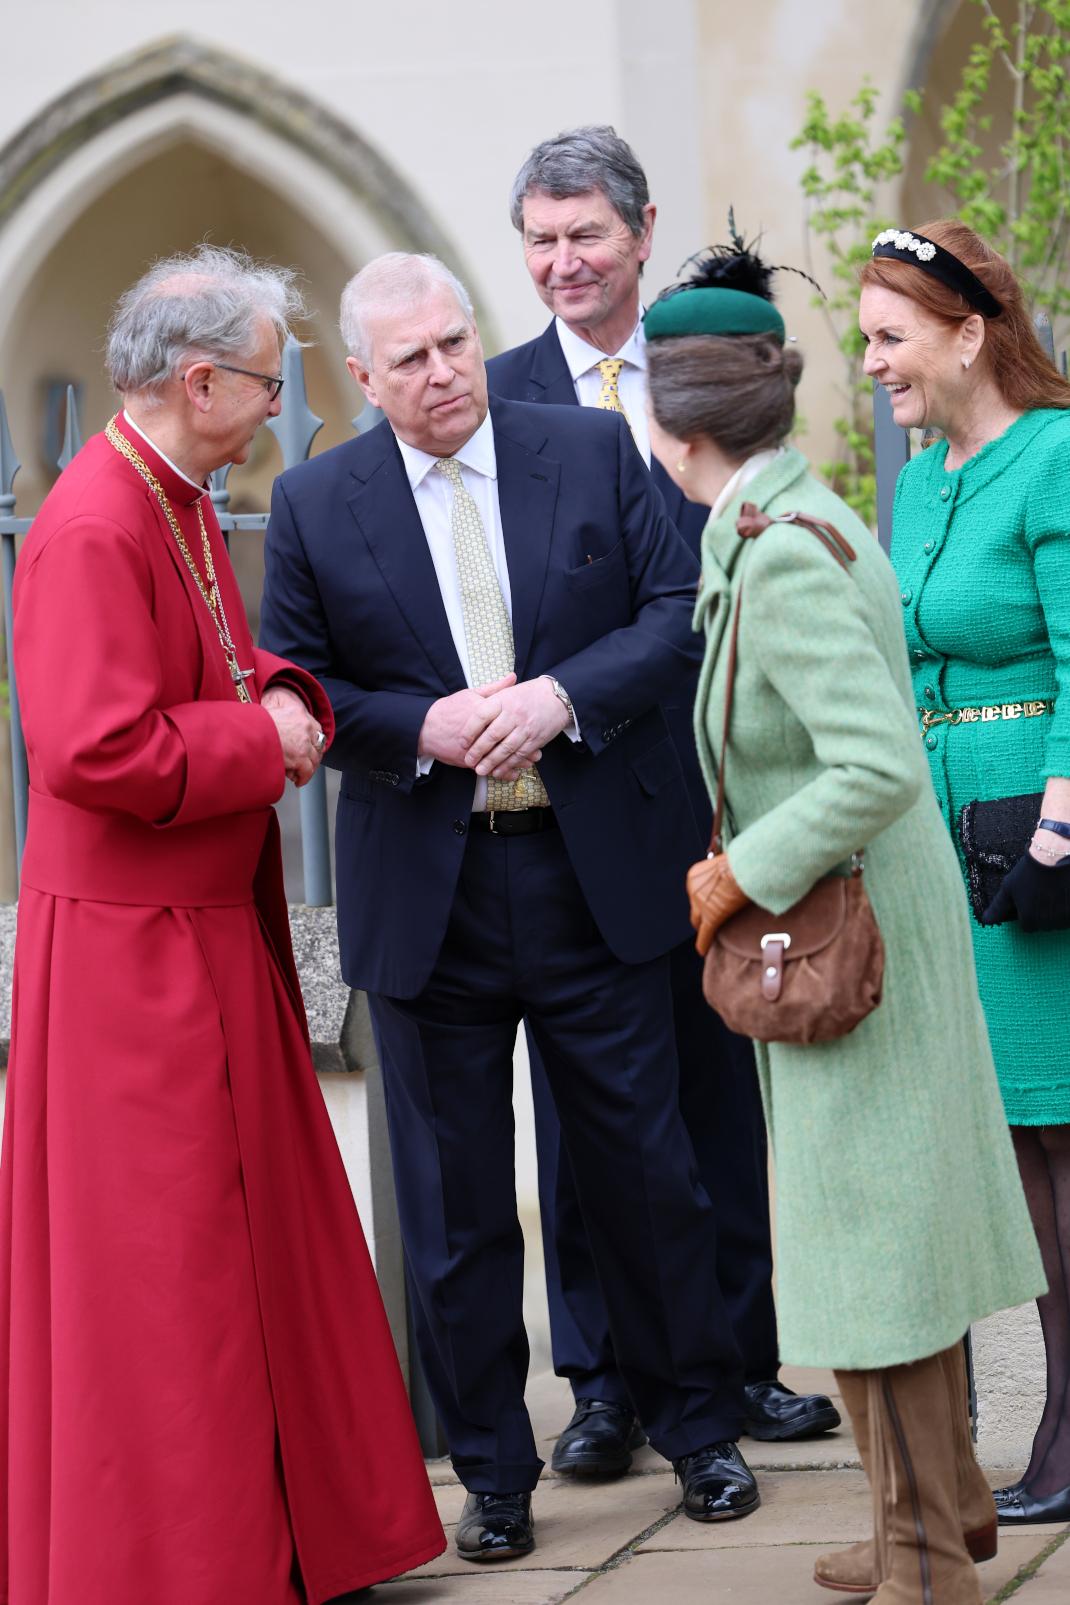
column 939, row 262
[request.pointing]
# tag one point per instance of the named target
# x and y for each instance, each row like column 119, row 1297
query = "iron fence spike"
column 72, row 434
column 367, row 418
column 1045, row 332
column 296, row 426
column 9, row 463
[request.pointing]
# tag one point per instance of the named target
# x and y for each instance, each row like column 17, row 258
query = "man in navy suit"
column 582, row 206
column 496, row 603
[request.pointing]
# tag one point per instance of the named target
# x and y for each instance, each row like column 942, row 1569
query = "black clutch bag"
column 994, row 836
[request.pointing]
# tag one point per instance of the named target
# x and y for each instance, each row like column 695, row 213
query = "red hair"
column 1020, row 366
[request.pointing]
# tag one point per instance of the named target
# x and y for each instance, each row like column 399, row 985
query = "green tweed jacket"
column 983, row 559
column 900, row 1216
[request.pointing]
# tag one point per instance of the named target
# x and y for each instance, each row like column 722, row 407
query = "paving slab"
column 1015, row 1552
column 813, row 1507
column 1050, row 1584
column 498, row 1585
column 579, row 1525
column 779, row 1573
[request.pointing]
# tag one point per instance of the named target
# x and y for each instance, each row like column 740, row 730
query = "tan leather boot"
column 912, row 1435
column 853, row 1570
column 977, row 1508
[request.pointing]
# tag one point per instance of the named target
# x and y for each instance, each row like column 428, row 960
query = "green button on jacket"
column 994, row 608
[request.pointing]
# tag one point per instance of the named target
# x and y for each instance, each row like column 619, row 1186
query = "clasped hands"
column 498, row 729
column 715, row 895
column 298, row 730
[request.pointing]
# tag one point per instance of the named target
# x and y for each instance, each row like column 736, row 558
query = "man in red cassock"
column 199, row 1399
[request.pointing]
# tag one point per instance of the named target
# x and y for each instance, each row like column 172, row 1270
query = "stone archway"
column 183, row 66
column 171, row 145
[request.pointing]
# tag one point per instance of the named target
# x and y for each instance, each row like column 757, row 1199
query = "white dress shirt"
column 583, row 359
column 433, row 495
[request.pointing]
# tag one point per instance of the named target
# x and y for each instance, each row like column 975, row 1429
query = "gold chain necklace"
column 210, row 593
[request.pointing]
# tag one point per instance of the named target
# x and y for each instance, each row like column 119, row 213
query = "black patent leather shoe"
column 495, row 1527
column 1021, row 1509
column 718, row 1484
column 774, row 1414
column 598, row 1441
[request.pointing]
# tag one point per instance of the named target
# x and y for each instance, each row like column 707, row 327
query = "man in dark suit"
column 582, row 206
column 496, row 603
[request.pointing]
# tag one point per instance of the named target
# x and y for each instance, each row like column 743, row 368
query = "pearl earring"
column 681, row 467
column 966, row 362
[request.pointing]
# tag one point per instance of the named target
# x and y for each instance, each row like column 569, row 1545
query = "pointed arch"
column 182, row 66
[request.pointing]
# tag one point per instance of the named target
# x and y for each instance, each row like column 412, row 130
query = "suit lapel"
column 549, row 379
column 384, row 508
column 527, row 498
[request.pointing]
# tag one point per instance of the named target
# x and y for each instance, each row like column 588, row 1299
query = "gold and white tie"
column 609, row 396
column 487, row 627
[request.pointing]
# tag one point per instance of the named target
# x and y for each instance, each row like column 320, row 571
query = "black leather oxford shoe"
column 598, row 1441
column 495, row 1527
column 1023, row 1510
column 718, row 1484
column 776, row 1415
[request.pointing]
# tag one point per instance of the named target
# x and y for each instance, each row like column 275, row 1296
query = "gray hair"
column 581, row 160
column 207, row 302
column 391, row 280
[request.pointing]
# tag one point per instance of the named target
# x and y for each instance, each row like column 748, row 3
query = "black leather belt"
column 514, row 821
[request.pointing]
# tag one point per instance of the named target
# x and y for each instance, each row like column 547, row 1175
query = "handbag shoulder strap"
column 749, row 525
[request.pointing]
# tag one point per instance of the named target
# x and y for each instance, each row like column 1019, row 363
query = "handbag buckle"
column 774, row 945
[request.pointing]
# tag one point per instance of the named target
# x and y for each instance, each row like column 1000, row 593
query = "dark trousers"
column 521, row 943
column 722, row 1109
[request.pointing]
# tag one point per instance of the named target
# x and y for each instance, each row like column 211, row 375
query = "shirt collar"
column 580, row 357
column 477, row 453
column 192, row 483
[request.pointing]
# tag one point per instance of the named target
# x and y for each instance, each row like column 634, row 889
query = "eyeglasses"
column 273, row 382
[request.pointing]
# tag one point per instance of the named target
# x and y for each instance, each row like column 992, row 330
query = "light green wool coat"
column 900, row 1216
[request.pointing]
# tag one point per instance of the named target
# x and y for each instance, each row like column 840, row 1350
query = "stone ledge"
column 338, row 1020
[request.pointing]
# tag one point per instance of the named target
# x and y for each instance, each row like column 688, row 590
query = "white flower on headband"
column 903, row 240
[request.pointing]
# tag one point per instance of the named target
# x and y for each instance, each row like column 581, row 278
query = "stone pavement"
column 625, row 1542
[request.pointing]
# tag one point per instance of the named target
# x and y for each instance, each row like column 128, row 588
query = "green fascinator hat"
column 729, row 291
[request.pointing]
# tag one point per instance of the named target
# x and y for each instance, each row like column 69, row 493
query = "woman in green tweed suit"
column 900, row 1216
column 981, row 545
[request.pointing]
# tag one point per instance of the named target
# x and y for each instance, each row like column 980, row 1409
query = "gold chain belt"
column 985, row 715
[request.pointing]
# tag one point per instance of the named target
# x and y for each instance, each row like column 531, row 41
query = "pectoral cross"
column 239, row 676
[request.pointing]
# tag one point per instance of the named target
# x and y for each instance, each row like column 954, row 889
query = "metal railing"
column 295, row 428
column 892, row 445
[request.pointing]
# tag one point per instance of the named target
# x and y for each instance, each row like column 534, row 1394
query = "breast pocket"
column 599, row 570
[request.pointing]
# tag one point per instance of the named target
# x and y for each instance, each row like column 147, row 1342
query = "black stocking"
column 1044, row 1163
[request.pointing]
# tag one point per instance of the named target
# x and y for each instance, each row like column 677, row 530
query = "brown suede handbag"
column 813, row 973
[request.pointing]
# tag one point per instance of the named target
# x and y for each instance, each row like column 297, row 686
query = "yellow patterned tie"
column 487, row 627
column 609, row 396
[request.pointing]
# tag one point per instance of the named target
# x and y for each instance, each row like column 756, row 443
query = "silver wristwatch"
column 559, row 691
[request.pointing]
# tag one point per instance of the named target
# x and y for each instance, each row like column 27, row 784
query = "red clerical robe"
column 200, row 1403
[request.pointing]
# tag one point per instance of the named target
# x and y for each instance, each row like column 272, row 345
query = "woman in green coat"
column 981, row 545
column 900, row 1216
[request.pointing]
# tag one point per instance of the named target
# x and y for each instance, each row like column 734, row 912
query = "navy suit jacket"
column 602, row 592
column 538, row 372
